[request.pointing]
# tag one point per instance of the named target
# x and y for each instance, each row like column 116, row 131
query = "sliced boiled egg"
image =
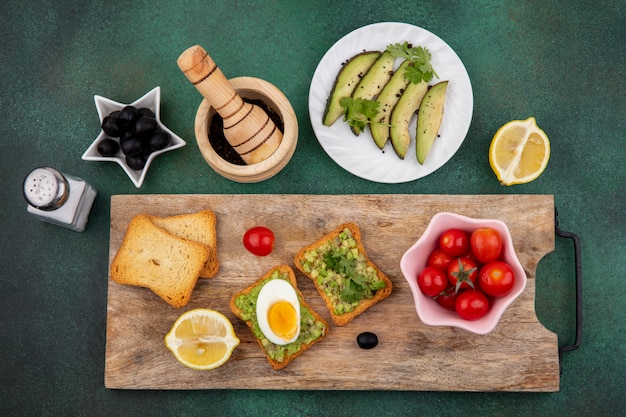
column 278, row 312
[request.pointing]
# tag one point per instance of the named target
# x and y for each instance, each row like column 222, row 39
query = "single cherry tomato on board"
column 454, row 242
column 432, row 281
column 446, row 298
column 486, row 244
column 462, row 273
column 471, row 304
column 259, row 240
column 439, row 259
column 496, row 279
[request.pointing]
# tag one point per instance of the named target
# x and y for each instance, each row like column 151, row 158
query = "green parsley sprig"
column 355, row 284
column 421, row 68
column 359, row 111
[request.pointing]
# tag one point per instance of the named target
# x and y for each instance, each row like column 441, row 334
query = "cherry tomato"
column 472, row 258
column 446, row 298
column 454, row 242
column 259, row 240
column 471, row 304
column 439, row 259
column 486, row 244
column 496, row 279
column 462, row 273
column 432, row 281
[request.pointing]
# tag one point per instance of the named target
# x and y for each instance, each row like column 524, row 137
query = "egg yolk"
column 283, row 319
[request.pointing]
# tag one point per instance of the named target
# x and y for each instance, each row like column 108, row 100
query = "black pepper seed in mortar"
column 218, row 140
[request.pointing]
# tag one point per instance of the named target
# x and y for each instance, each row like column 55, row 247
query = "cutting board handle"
column 579, row 289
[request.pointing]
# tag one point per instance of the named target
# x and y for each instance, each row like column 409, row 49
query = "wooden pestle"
column 247, row 127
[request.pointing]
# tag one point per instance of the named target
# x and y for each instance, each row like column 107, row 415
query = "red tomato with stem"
column 486, row 244
column 432, row 281
column 496, row 279
column 439, row 259
column 454, row 242
column 462, row 273
column 259, row 241
column 471, row 304
column 446, row 298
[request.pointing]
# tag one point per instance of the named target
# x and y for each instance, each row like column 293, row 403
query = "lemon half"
column 202, row 339
column 519, row 152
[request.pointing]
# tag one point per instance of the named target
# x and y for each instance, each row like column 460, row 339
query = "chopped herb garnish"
column 421, row 68
column 359, row 111
column 354, row 288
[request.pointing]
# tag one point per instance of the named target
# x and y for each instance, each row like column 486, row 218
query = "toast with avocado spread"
column 313, row 328
column 343, row 274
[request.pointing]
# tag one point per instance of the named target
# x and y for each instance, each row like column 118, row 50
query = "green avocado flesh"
column 401, row 115
column 374, row 81
column 429, row 119
column 342, row 272
column 388, row 98
column 345, row 83
column 310, row 328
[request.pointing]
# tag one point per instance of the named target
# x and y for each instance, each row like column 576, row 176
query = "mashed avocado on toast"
column 312, row 328
column 345, row 277
column 341, row 270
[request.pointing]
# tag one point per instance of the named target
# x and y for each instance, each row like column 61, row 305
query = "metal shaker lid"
column 45, row 188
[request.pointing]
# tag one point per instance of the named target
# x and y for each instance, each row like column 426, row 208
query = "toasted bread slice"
column 151, row 257
column 317, row 331
column 342, row 312
column 199, row 227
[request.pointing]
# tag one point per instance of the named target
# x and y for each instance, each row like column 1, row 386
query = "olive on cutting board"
column 367, row 340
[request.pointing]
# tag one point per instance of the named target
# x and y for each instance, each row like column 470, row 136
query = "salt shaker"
column 58, row 198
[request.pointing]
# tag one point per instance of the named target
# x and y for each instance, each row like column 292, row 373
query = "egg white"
column 272, row 292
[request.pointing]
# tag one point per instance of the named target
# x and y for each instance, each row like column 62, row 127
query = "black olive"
column 160, row 140
column 367, row 340
column 146, row 151
column 108, row 147
column 145, row 126
column 145, row 146
column 136, row 162
column 112, row 126
column 128, row 114
column 145, row 112
column 131, row 146
column 126, row 134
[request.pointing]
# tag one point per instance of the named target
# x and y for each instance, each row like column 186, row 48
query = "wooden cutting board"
column 519, row 355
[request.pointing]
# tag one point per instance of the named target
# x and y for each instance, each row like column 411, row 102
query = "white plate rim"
column 350, row 151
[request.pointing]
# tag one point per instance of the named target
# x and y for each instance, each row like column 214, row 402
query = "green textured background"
column 560, row 61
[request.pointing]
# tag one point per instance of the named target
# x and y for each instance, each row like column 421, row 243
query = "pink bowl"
column 415, row 259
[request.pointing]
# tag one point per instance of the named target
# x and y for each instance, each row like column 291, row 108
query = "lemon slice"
column 519, row 152
column 202, row 339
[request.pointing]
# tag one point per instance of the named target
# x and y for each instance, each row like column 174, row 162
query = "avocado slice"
column 374, row 80
column 406, row 107
column 345, row 83
column 429, row 119
column 388, row 98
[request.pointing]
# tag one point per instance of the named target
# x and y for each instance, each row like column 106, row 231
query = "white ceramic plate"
column 359, row 155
